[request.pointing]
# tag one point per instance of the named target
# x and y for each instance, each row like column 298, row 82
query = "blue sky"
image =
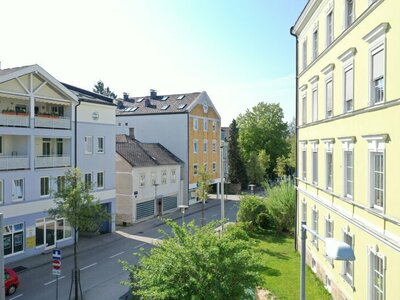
column 239, row 51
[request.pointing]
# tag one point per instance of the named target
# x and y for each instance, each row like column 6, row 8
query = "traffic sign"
column 56, row 262
column 56, row 254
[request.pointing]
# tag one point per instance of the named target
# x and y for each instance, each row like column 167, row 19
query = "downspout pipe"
column 76, row 134
column 292, row 32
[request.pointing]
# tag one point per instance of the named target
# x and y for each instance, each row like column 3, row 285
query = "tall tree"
column 74, row 202
column 203, row 188
column 237, row 169
column 99, row 88
column 263, row 127
column 195, row 263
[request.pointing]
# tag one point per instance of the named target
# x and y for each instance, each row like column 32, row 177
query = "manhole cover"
column 19, row 269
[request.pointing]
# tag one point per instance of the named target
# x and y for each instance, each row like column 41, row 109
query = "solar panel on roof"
column 165, row 107
column 164, row 98
column 180, row 97
column 182, row 106
column 140, row 100
column 135, row 108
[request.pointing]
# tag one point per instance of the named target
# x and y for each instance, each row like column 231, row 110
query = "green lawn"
column 281, row 275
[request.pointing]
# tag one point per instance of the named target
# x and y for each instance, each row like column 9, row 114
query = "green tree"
column 195, row 263
column 254, row 169
column 99, row 88
column 281, row 164
column 237, row 170
column 74, row 202
column 263, row 127
column 203, row 188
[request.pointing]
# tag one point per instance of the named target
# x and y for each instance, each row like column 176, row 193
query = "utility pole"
column 222, row 183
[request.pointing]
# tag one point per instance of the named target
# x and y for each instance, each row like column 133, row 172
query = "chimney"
column 147, row 103
column 153, row 94
column 126, row 97
column 132, row 133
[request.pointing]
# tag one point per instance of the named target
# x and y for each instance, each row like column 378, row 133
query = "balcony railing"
column 13, row 119
column 52, row 122
column 14, row 162
column 52, row 161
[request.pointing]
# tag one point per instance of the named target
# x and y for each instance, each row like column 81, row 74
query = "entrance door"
column 50, row 237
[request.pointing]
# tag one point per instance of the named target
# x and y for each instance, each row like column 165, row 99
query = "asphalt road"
column 101, row 272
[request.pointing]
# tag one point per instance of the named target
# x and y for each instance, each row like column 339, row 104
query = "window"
column 349, row 13
column 214, row 126
column 60, row 147
column 205, row 146
column 153, row 178
column 314, row 226
column 329, row 28
column 328, row 284
column 13, row 236
column 214, row 167
column 63, row 229
column 195, row 146
column 1, row 145
column 329, row 169
column 315, row 44
column 100, row 145
column 304, row 211
column 46, row 147
column 378, row 81
column 376, row 278
column 195, row 169
column 44, row 186
column 348, row 266
column 304, row 54
column 1, row 191
column 195, row 124
column 314, row 105
column 100, row 180
column 88, row 180
column 173, row 176
column 214, row 146
column 348, row 89
column 304, row 163
column 328, row 227
column 348, row 173
column 314, row 160
column 142, row 180
column 377, row 179
column 88, row 145
column 17, row 190
column 205, row 125
column 60, row 183
column 329, row 98
column 40, row 229
column 304, row 109
column 164, row 177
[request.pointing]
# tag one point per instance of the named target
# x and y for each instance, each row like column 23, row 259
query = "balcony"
column 51, row 161
column 14, row 162
column 10, row 118
column 50, row 121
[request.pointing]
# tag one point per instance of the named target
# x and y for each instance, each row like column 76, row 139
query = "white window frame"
column 45, row 178
column 329, row 29
column 304, row 53
column 205, row 146
column 314, row 100
column 373, row 256
column 304, row 160
column 214, row 126
column 12, row 231
column 328, row 72
column 205, row 125
column 349, row 20
column 329, row 176
column 348, row 276
column 314, row 226
column 15, row 197
column 304, row 210
column 303, row 92
column 89, row 184
column 163, row 176
column 314, row 162
column 315, row 42
column 347, row 59
column 348, row 146
column 142, row 179
column 99, row 149
column 97, row 180
column 195, row 124
column 88, row 144
column 60, row 183
column 195, row 146
column 329, row 229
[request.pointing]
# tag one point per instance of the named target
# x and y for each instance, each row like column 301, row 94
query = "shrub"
column 264, row 220
column 281, row 204
column 250, row 209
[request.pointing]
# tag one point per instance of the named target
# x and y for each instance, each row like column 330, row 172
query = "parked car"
column 11, row 281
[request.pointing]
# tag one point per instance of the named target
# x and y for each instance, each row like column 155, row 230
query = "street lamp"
column 334, row 249
column 222, row 183
column 183, row 208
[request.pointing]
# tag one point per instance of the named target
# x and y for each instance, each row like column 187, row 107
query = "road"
column 101, row 272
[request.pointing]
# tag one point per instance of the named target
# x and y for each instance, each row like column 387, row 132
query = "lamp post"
column 334, row 249
column 222, row 184
column 183, row 208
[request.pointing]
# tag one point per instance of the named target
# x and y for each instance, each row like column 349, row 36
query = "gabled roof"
column 88, row 96
column 172, row 104
column 139, row 154
column 9, row 74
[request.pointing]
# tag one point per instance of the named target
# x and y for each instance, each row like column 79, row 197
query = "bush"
column 264, row 220
column 281, row 206
column 251, row 207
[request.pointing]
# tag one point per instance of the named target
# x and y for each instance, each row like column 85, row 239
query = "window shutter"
column 378, row 65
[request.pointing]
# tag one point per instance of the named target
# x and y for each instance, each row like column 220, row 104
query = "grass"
column 281, row 275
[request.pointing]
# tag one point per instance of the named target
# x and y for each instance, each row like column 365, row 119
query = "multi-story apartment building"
column 42, row 127
column 348, row 103
column 147, row 180
column 188, row 125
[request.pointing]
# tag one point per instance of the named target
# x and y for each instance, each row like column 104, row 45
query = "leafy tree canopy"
column 237, row 169
column 100, row 88
column 196, row 263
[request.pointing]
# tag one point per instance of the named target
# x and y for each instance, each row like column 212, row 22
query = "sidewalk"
column 88, row 243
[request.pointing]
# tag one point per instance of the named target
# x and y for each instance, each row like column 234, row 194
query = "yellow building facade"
column 348, row 133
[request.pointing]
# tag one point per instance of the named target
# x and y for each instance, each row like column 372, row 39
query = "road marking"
column 115, row 255
column 20, row 295
column 50, row 282
column 89, row 266
column 138, row 246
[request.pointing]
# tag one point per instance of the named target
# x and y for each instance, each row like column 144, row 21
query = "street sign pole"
column 57, row 267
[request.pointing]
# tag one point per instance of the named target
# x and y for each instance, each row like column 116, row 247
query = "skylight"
column 182, row 106
column 164, row 98
column 165, row 107
column 180, row 97
column 140, row 100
